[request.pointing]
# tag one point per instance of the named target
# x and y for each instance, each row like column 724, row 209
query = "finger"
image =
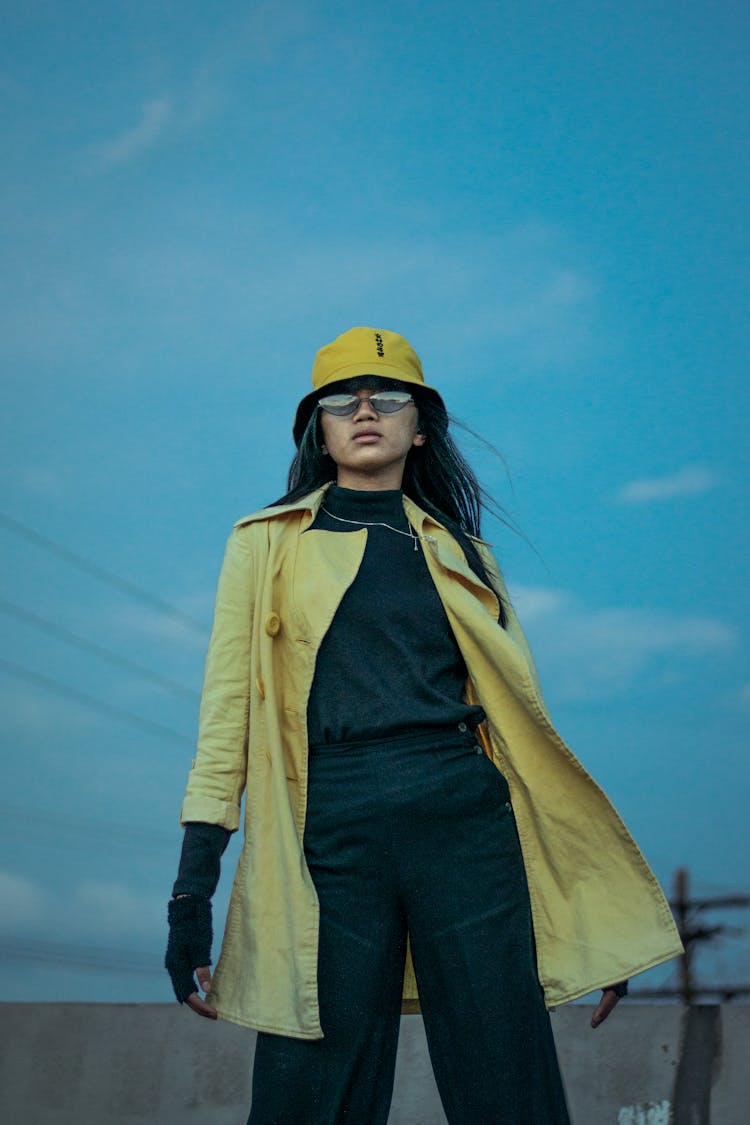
column 607, row 1003
column 200, row 1006
column 203, row 973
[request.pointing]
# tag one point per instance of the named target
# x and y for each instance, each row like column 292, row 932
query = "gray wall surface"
column 125, row 1064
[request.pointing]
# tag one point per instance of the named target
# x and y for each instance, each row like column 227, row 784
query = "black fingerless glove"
column 190, row 929
column 189, row 943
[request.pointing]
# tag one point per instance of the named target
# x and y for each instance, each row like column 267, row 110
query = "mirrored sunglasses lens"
column 339, row 404
column 388, row 402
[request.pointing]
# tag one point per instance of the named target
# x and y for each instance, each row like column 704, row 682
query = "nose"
column 364, row 405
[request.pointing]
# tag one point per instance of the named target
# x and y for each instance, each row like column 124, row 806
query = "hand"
column 189, row 949
column 608, row 1002
column 196, row 1001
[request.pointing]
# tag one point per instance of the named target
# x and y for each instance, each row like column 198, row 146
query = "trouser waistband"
column 426, row 736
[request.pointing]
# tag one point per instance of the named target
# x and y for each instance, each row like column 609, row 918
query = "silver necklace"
column 376, row 523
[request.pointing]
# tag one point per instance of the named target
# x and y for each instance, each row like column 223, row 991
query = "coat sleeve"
column 217, row 778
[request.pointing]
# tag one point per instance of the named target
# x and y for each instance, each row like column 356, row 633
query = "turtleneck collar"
column 355, row 504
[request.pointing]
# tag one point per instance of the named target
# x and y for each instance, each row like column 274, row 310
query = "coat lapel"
column 440, row 544
column 325, row 567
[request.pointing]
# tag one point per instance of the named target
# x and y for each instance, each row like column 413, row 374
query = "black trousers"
column 416, row 835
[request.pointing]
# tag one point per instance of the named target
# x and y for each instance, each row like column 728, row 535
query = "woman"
column 369, row 689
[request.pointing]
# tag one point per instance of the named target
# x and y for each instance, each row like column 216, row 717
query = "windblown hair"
column 437, row 477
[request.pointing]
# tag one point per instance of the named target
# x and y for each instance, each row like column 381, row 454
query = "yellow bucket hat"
column 361, row 351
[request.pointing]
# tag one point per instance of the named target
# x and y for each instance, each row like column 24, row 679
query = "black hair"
column 437, row 476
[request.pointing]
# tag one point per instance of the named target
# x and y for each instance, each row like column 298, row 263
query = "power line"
column 707, row 887
column 71, row 638
column 124, row 585
column 725, row 901
column 725, row 991
column 37, row 821
column 92, row 702
column 80, row 956
column 693, row 932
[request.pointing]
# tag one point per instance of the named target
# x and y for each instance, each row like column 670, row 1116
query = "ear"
column 419, row 438
column 324, row 450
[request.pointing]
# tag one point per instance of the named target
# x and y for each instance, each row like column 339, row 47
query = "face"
column 370, row 449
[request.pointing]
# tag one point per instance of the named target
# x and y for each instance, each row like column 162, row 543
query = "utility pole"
column 681, row 906
column 687, row 912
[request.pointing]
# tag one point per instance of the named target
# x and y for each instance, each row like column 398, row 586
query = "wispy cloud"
column 690, row 480
column 32, row 712
column 23, row 903
column 601, row 652
column 537, row 602
column 162, row 627
column 268, row 33
column 518, row 292
column 156, row 115
column 92, row 910
column 114, row 910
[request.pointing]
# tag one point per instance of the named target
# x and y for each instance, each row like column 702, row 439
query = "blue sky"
column 549, row 201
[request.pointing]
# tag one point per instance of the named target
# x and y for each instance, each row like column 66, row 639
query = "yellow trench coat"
column 599, row 915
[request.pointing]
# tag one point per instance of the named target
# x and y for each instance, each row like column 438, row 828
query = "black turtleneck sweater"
column 389, row 664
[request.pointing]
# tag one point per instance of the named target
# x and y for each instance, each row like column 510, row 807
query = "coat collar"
column 312, row 501
column 309, row 503
column 437, row 539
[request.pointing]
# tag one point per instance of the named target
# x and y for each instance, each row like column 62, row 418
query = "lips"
column 366, row 436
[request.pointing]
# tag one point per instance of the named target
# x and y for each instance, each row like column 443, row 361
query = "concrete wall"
column 120, row 1064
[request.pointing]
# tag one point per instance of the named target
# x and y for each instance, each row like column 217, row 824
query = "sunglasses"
column 383, row 402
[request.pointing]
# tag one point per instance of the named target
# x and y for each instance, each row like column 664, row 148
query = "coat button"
column 261, row 688
column 273, row 624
